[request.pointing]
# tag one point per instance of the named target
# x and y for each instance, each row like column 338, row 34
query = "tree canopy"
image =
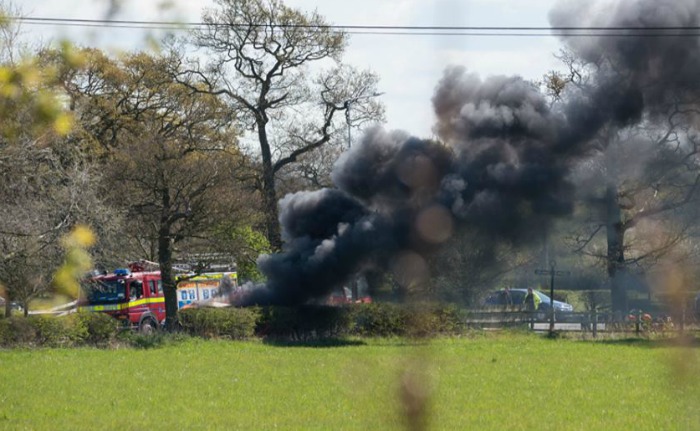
column 260, row 57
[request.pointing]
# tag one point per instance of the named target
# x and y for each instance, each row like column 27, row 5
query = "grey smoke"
column 658, row 69
column 504, row 161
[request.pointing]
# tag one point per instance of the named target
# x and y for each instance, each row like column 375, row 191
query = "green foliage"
column 187, row 147
column 380, row 320
column 5, row 332
column 20, row 331
column 415, row 320
column 253, row 244
column 317, row 322
column 232, row 323
column 39, row 331
column 58, row 332
column 27, row 87
column 102, row 329
column 67, row 331
column 444, row 319
column 305, row 323
column 292, row 323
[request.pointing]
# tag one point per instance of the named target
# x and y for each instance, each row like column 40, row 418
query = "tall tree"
column 635, row 189
column 45, row 185
column 642, row 175
column 170, row 157
column 260, row 55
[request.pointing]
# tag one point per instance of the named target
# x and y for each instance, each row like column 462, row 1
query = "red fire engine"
column 136, row 298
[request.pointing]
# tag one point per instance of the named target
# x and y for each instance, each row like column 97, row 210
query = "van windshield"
column 104, row 291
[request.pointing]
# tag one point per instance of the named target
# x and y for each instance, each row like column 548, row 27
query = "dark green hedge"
column 231, row 323
column 414, row 320
column 102, row 329
column 48, row 331
column 311, row 322
column 380, row 320
column 316, row 322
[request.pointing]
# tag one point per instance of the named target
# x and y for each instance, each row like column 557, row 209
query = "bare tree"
column 45, row 183
column 261, row 53
column 638, row 182
column 643, row 178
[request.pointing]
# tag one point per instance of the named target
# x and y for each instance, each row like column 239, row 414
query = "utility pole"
column 348, row 119
column 347, row 105
column 552, row 273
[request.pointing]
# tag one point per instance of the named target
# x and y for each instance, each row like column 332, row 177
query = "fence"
column 592, row 322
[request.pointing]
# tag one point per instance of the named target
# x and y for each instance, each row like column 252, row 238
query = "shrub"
column 49, row 331
column 5, row 332
column 58, row 331
column 21, row 331
column 308, row 322
column 326, row 321
column 101, row 328
column 431, row 320
column 279, row 323
column 233, row 323
column 380, row 320
column 451, row 320
column 415, row 320
column 420, row 323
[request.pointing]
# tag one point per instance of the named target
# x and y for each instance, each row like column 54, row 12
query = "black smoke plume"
column 504, row 161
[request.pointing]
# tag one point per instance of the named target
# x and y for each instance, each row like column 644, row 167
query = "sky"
column 409, row 66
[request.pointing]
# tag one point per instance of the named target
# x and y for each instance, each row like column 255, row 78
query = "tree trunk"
column 8, row 307
column 165, row 260
column 271, row 214
column 269, row 191
column 615, row 253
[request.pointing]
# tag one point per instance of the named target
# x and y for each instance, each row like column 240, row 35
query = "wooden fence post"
column 594, row 318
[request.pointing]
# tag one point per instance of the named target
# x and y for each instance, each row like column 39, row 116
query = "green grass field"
column 485, row 382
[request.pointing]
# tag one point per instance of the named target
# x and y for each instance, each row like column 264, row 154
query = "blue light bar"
column 122, row 271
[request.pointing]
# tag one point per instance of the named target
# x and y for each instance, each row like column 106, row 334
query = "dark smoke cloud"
column 658, row 70
column 503, row 164
column 317, row 215
column 383, row 184
column 389, row 170
column 499, row 107
column 309, row 268
column 510, row 177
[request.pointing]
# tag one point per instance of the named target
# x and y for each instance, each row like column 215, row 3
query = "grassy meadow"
column 483, row 382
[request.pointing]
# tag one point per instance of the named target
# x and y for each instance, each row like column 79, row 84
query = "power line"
column 363, row 27
column 497, row 31
column 405, row 33
column 513, row 34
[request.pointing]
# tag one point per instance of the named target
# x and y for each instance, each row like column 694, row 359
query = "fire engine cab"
column 136, row 297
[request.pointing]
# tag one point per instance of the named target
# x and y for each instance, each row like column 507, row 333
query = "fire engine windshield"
column 105, row 291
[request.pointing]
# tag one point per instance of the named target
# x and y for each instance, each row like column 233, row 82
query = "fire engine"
column 135, row 296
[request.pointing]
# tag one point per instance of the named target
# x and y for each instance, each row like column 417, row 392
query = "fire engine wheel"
column 148, row 326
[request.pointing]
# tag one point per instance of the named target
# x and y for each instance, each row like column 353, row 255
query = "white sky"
column 409, row 66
